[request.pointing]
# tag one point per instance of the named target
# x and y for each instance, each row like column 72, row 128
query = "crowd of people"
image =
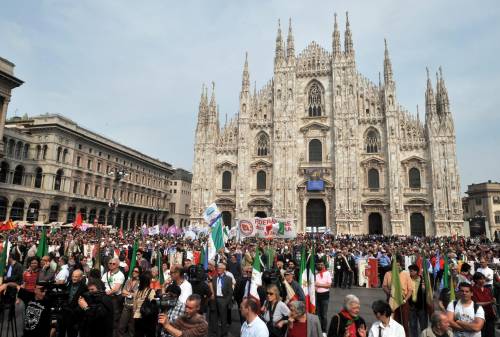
column 97, row 283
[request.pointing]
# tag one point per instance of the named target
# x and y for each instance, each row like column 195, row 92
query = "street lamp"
column 118, row 175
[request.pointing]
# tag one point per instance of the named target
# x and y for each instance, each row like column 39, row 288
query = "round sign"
column 246, row 228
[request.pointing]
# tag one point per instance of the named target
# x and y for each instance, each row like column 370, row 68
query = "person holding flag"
column 398, row 287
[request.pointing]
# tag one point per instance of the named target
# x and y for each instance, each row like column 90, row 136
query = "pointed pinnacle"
column 347, row 20
column 427, row 70
column 289, row 25
column 335, row 25
column 440, row 72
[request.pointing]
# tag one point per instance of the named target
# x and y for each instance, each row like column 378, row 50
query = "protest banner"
column 267, row 228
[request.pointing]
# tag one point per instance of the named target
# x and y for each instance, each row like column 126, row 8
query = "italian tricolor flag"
column 307, row 279
column 256, row 276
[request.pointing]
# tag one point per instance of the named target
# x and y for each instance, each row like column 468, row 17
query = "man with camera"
column 191, row 324
column 171, row 304
column 37, row 308
column 69, row 323
column 96, row 312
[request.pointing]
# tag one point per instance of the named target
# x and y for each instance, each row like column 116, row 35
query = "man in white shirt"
column 113, row 281
column 177, row 275
column 487, row 272
column 63, row 273
column 323, row 284
column 466, row 318
column 253, row 325
column 385, row 326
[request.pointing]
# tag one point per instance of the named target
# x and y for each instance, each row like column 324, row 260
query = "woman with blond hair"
column 275, row 312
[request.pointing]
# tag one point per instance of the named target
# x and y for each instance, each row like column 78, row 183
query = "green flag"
column 446, row 274
column 281, row 228
column 158, row 264
column 427, row 282
column 452, row 289
column 3, row 259
column 134, row 258
column 43, row 248
column 396, row 294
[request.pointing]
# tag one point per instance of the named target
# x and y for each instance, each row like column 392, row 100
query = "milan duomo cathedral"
column 322, row 145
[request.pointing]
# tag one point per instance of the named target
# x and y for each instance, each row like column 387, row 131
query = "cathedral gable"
column 314, row 61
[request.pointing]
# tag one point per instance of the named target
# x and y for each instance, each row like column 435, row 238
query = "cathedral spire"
column 290, row 46
column 203, row 105
column 387, row 66
column 245, row 82
column 279, row 46
column 213, row 103
column 429, row 96
column 336, row 37
column 348, row 45
column 444, row 93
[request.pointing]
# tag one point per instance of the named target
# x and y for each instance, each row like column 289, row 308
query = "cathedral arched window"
column 262, row 144
column 414, row 178
column 372, row 141
column 4, row 172
column 315, row 151
column 373, row 179
column 315, row 100
column 261, row 180
column 226, row 181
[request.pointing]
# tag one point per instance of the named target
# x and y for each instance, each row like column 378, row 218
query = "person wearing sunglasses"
column 37, row 318
column 126, row 323
column 113, row 280
column 275, row 312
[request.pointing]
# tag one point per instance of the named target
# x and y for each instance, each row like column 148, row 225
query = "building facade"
column 323, row 145
column 482, row 208
column 53, row 168
column 180, row 190
column 7, row 82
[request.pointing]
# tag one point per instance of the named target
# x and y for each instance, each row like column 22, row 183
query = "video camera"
column 165, row 302
column 196, row 274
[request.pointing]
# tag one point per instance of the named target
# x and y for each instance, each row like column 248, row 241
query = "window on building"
column 372, row 141
column 96, row 191
column 262, row 144
column 54, row 213
column 11, row 148
column 261, row 180
column 315, row 151
column 59, row 154
column 497, row 218
column 78, row 161
column 65, row 156
column 4, row 172
column 44, row 152
column 19, row 149
column 86, row 190
column 479, row 201
column 414, row 177
column 373, row 179
column 18, row 175
column 79, row 146
column 58, row 179
column 99, row 166
column 496, row 199
column 38, row 177
column 89, row 164
column 172, row 207
column 76, row 183
column 38, row 152
column 26, row 151
column 315, row 100
column 226, row 181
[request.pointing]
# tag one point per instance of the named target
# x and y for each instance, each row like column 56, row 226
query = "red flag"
column 7, row 225
column 121, row 233
column 78, row 221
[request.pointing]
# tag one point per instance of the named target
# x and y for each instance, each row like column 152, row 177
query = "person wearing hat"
column 297, row 289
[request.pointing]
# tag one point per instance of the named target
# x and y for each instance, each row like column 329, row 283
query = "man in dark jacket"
column 96, row 312
column 70, row 319
column 242, row 289
column 14, row 270
column 418, row 313
column 222, row 295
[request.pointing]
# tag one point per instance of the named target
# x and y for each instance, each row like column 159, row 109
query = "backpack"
column 149, row 308
column 476, row 306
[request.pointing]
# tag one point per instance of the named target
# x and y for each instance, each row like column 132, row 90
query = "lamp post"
column 118, row 175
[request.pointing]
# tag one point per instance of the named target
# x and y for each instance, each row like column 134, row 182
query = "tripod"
column 11, row 330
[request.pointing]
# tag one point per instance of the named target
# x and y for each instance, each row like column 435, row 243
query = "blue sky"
column 133, row 70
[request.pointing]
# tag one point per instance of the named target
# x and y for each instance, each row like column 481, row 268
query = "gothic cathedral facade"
column 323, row 145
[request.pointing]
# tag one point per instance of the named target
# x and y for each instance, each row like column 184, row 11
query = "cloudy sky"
column 133, row 70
